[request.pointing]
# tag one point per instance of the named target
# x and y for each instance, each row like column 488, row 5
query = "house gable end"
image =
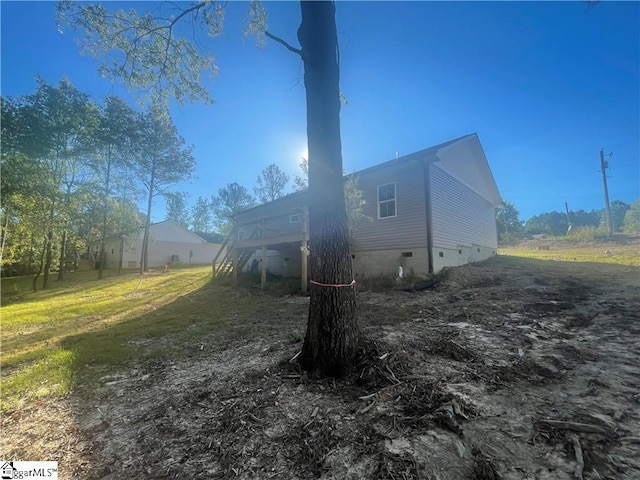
column 466, row 162
column 170, row 230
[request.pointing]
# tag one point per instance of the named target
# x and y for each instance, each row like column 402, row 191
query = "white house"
column 169, row 243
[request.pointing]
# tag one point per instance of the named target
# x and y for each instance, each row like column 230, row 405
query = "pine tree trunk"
column 331, row 341
column 103, row 253
column 144, row 258
column 63, row 255
column 48, row 260
column 30, row 257
column 42, row 256
column 5, row 231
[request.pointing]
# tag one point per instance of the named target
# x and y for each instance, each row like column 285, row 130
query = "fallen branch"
column 578, row 427
column 293, row 359
column 367, row 397
column 630, row 439
column 372, row 395
column 395, row 379
column 367, row 408
column 579, row 457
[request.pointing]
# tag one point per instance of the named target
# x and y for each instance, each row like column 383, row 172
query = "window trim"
column 294, row 217
column 395, row 200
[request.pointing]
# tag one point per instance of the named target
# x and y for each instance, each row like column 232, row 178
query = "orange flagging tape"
column 313, row 282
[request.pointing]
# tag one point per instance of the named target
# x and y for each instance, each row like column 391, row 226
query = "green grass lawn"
column 81, row 329
column 628, row 256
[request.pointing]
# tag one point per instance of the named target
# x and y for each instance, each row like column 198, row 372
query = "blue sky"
column 545, row 85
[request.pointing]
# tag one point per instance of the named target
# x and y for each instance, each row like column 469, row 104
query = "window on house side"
column 387, row 200
column 294, row 218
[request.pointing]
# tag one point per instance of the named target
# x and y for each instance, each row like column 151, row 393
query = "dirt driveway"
column 513, row 369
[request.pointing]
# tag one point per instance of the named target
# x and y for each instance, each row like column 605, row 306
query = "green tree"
column 581, row 218
column 230, row 201
column 631, row 223
column 271, row 184
column 115, row 138
column 177, row 208
column 146, row 52
column 618, row 211
column 61, row 118
column 201, row 216
column 19, row 182
column 550, row 223
column 508, row 223
column 161, row 160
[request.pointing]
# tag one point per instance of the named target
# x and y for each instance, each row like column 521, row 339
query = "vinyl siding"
column 274, row 216
column 408, row 228
column 460, row 216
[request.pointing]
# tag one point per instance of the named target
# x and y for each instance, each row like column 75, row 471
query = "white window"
column 387, row 200
column 294, row 218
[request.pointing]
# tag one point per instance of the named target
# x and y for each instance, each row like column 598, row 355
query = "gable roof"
column 427, row 155
column 139, row 230
column 433, row 154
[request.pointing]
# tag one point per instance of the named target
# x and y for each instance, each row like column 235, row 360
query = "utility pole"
column 569, row 225
column 603, row 166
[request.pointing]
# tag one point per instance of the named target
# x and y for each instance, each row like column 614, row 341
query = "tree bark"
column 103, row 253
column 5, row 229
column 63, row 255
column 332, row 337
column 144, row 257
column 42, row 255
column 48, row 259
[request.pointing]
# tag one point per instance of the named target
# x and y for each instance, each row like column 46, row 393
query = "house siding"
column 273, row 217
column 166, row 239
column 465, row 161
column 461, row 217
column 407, row 229
column 444, row 215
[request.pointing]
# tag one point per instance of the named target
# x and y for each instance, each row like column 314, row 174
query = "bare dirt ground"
column 512, row 369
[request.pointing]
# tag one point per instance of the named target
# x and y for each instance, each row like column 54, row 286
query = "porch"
column 250, row 237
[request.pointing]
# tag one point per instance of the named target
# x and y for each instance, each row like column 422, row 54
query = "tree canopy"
column 68, row 165
column 271, row 183
column 231, row 200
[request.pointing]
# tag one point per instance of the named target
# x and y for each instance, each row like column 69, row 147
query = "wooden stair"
column 225, row 267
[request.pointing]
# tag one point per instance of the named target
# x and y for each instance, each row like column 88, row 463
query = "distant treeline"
column 624, row 218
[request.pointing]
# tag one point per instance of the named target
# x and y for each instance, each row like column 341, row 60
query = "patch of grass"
column 81, row 329
column 627, row 256
column 585, row 234
column 50, row 375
